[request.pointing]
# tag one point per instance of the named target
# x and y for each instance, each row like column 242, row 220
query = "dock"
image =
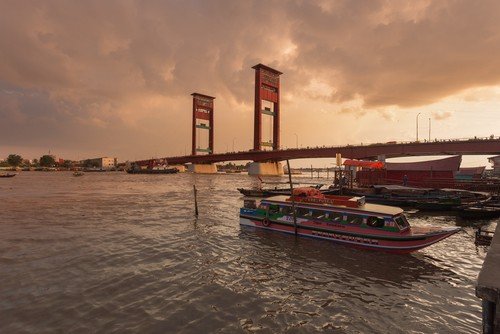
column 488, row 286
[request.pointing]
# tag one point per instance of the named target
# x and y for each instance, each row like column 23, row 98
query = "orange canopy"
column 365, row 164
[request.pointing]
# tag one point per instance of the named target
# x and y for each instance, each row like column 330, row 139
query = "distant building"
column 101, row 163
column 496, row 164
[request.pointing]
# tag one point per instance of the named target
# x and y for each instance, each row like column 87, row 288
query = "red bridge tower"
column 203, row 112
column 267, row 88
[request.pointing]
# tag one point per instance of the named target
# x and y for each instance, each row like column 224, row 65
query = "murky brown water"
column 111, row 252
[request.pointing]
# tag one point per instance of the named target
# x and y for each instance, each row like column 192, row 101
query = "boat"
column 78, row 173
column 343, row 219
column 425, row 199
column 153, row 171
column 8, row 175
column 268, row 192
column 483, row 210
column 233, row 171
column 483, row 237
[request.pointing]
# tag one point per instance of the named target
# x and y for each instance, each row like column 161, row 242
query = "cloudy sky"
column 114, row 78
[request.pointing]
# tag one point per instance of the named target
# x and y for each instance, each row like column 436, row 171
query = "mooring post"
column 312, row 172
column 195, row 201
column 291, row 196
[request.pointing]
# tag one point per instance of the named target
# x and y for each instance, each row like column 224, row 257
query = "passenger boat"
column 8, row 175
column 343, row 219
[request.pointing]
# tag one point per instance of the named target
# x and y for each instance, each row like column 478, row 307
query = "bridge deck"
column 490, row 146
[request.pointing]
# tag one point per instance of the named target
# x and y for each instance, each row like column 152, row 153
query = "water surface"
column 112, row 252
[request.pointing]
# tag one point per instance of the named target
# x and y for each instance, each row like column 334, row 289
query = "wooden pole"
column 293, row 200
column 312, row 171
column 195, row 201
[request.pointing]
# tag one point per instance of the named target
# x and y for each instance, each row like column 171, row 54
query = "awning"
column 364, row 164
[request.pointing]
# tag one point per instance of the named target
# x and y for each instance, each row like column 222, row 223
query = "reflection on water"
column 116, row 253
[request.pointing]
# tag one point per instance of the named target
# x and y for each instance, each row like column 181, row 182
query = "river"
column 112, row 252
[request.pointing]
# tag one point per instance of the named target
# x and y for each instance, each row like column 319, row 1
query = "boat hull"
column 397, row 244
column 154, row 171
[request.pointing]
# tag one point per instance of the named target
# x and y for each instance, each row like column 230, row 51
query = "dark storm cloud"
column 73, row 65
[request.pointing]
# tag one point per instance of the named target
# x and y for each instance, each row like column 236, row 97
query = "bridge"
column 267, row 161
column 473, row 146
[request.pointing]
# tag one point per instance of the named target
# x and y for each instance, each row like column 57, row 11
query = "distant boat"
column 233, row 171
column 153, row 171
column 8, row 175
column 78, row 173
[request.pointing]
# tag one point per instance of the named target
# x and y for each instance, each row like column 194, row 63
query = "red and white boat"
column 343, row 219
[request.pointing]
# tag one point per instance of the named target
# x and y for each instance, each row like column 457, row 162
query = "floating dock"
column 488, row 286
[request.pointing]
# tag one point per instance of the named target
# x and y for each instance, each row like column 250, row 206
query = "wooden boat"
column 268, row 192
column 425, row 199
column 483, row 238
column 343, row 219
column 153, row 171
column 478, row 212
column 8, row 175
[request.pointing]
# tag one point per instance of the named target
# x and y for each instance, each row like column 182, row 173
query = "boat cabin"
column 340, row 211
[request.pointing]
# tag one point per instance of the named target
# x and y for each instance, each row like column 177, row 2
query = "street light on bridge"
column 417, row 124
column 296, row 140
column 233, row 144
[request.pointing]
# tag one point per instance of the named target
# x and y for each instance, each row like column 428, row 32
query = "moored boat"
column 78, row 173
column 8, row 175
column 268, row 192
column 343, row 219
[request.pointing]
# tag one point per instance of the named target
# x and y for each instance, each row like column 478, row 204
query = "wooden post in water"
column 311, row 171
column 327, row 173
column 195, row 201
column 291, row 193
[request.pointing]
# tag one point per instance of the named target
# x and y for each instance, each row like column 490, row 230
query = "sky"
column 113, row 78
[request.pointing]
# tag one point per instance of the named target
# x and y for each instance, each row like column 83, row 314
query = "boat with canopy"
column 343, row 219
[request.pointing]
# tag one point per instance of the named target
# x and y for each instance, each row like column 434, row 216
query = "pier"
column 488, row 286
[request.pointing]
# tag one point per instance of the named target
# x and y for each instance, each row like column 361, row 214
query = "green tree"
column 14, row 160
column 35, row 163
column 47, row 161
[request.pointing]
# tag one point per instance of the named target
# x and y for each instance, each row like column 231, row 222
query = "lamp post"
column 417, row 125
column 296, row 140
column 429, row 129
column 233, row 143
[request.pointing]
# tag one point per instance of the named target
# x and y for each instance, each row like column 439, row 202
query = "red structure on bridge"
column 267, row 88
column 203, row 109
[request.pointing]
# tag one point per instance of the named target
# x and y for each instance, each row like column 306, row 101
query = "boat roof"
column 367, row 207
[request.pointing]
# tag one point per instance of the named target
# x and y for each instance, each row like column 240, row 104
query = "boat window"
column 263, row 206
column 286, row 210
column 250, row 204
column 317, row 214
column 354, row 219
column 335, row 216
column 273, row 208
column 373, row 221
column 401, row 221
column 302, row 212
